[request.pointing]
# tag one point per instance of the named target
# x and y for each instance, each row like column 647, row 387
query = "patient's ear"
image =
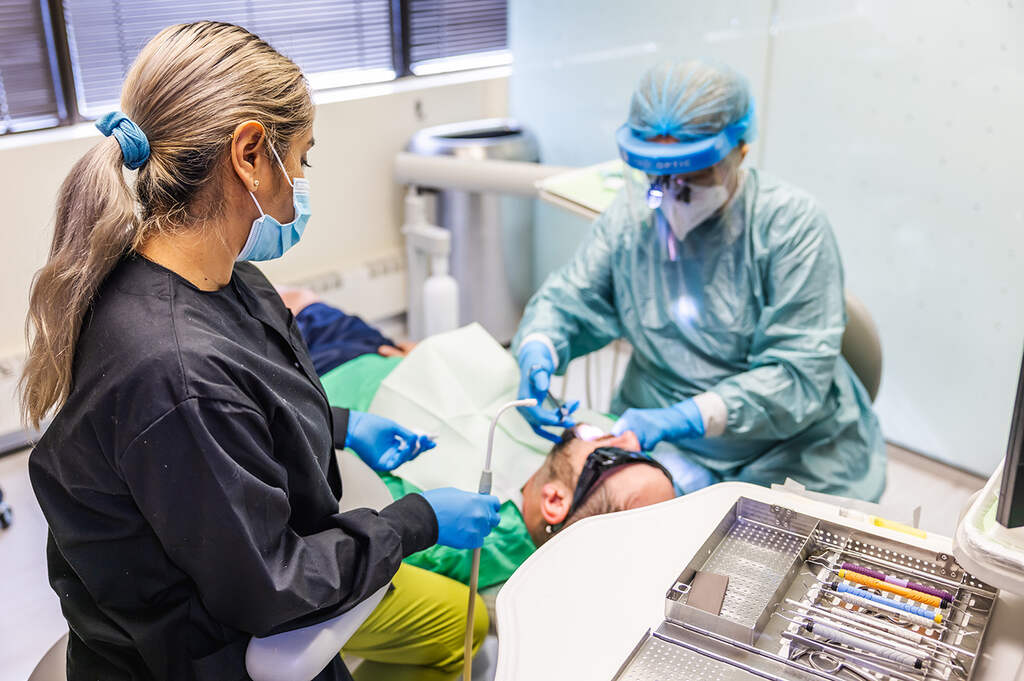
column 554, row 502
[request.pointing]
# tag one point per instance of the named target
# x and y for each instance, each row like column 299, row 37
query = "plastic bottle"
column 440, row 299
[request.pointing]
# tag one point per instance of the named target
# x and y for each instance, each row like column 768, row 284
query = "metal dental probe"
column 474, row 572
column 846, row 638
column 883, row 627
column 922, row 655
column 861, row 660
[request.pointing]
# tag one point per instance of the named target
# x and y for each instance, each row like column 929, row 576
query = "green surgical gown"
column 752, row 309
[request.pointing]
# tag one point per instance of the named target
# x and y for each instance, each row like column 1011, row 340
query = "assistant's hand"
column 681, row 421
column 535, row 368
column 381, row 443
column 463, row 518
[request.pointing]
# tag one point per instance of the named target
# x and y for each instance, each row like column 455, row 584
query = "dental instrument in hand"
column 474, row 572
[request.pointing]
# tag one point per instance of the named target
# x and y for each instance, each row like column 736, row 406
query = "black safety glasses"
column 601, row 461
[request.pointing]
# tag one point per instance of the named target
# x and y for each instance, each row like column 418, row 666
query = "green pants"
column 417, row 631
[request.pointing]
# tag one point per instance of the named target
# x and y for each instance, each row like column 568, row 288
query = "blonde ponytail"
column 187, row 91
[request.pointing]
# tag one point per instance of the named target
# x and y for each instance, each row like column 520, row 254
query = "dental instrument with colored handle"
column 874, row 583
column 889, row 602
column 906, row 584
column 855, row 599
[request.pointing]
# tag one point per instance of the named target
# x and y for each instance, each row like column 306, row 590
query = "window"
column 444, row 34
column 62, row 61
column 336, row 42
column 29, row 94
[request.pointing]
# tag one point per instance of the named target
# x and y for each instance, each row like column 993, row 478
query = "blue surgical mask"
column 268, row 238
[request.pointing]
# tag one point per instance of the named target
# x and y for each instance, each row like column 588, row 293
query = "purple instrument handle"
column 923, row 588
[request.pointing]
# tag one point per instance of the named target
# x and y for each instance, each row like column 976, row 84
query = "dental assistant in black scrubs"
column 188, row 476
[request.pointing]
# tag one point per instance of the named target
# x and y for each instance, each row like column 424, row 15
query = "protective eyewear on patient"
column 599, row 463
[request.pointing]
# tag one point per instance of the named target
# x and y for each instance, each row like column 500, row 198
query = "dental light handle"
column 474, row 570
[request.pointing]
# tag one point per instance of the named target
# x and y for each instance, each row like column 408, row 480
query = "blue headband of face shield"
column 658, row 158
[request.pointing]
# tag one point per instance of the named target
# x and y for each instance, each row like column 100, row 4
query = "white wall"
column 356, row 204
column 903, row 118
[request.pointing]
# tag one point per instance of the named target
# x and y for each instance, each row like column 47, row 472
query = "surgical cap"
column 688, row 100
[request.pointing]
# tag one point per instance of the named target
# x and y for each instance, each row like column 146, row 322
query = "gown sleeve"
column 575, row 307
column 798, row 335
column 203, row 477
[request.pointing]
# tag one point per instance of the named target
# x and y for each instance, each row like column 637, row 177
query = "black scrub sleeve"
column 203, row 477
column 340, row 426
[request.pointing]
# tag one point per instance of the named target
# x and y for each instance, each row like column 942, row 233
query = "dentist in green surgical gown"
column 729, row 286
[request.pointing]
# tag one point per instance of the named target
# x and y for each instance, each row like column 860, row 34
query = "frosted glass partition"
column 903, row 118
column 577, row 61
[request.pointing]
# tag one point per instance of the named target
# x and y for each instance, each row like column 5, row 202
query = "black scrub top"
column 191, row 487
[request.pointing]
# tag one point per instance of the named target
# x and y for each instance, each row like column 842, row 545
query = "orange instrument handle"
column 927, row 599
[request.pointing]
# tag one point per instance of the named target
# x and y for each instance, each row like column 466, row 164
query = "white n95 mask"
column 682, row 216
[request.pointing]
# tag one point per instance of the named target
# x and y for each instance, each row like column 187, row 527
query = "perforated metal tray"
column 760, row 548
column 763, row 550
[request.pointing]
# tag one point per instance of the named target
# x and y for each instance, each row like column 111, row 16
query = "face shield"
column 660, row 160
column 685, row 183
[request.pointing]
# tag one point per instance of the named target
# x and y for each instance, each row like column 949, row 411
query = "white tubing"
column 474, row 570
column 449, row 172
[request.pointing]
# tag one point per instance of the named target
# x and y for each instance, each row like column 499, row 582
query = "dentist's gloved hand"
column 535, row 368
column 681, row 421
column 381, row 443
column 463, row 518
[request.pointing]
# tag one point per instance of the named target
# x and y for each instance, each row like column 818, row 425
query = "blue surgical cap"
column 706, row 107
column 688, row 100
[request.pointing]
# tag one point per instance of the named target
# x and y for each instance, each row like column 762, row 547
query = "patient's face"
column 546, row 502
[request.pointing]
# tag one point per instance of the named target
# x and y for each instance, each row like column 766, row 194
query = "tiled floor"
column 30, row 619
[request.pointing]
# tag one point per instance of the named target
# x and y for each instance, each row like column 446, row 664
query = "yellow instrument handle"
column 927, row 599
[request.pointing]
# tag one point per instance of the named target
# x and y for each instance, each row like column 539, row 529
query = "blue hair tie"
column 134, row 145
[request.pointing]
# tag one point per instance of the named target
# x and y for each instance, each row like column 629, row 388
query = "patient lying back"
column 548, row 494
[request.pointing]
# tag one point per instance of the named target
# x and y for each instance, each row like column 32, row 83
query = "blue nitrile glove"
column 381, row 443
column 463, row 518
column 681, row 421
column 535, row 368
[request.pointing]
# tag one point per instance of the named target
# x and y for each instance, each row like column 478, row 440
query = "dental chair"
column 861, row 345
column 297, row 655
